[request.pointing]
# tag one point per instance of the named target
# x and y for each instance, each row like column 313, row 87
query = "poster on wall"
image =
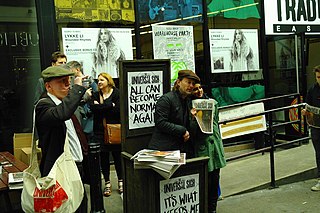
column 98, row 49
column 144, row 89
column 175, row 43
column 243, row 126
column 234, row 50
column 103, row 10
column 180, row 194
column 289, row 17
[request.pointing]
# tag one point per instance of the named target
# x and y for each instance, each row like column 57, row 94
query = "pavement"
column 245, row 184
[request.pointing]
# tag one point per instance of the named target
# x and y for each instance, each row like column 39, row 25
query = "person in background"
column 313, row 99
column 208, row 145
column 105, row 104
column 57, row 59
column 83, row 112
column 53, row 120
column 172, row 112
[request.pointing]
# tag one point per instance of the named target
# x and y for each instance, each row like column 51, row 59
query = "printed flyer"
column 175, row 43
column 98, row 49
column 234, row 50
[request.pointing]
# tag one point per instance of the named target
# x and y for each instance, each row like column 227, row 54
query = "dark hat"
column 188, row 74
column 55, row 72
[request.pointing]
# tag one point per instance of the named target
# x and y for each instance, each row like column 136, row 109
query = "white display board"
column 98, row 49
column 180, row 194
column 243, row 126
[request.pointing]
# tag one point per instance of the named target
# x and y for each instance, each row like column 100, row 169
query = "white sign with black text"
column 291, row 16
column 180, row 194
column 144, row 89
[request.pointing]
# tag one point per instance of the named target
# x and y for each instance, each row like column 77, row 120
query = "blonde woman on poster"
column 108, row 54
column 241, row 53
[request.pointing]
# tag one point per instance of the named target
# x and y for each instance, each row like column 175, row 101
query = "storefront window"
column 20, row 68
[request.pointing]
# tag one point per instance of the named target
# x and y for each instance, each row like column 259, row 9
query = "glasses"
column 197, row 88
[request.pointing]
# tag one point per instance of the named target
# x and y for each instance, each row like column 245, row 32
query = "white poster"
column 234, row 50
column 98, row 49
column 144, row 89
column 242, row 126
column 291, row 16
column 175, row 43
column 180, row 194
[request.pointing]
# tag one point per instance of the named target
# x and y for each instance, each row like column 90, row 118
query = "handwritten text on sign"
column 180, row 194
column 144, row 89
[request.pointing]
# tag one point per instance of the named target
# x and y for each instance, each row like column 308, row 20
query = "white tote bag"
column 60, row 191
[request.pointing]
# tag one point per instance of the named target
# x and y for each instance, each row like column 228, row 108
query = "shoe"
column 107, row 189
column 120, row 186
column 316, row 187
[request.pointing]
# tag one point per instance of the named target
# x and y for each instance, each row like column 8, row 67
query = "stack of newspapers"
column 15, row 180
column 163, row 162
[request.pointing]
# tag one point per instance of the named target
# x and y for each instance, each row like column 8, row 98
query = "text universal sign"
column 291, row 16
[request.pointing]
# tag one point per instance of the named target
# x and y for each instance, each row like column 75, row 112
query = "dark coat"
column 313, row 96
column 171, row 122
column 109, row 112
column 50, row 124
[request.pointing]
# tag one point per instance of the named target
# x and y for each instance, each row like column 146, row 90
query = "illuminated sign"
column 292, row 16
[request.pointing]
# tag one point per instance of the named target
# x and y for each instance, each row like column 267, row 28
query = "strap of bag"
column 34, row 158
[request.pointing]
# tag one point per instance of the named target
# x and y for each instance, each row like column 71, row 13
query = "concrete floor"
column 291, row 198
column 295, row 166
column 112, row 204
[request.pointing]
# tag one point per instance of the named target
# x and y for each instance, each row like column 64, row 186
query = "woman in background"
column 241, row 53
column 105, row 104
column 108, row 54
column 208, row 145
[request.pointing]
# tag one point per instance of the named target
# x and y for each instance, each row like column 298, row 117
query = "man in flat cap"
column 57, row 59
column 172, row 116
column 53, row 119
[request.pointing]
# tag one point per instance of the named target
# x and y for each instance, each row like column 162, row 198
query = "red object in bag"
column 49, row 200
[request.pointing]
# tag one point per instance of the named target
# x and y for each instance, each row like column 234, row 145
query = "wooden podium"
column 142, row 82
column 147, row 191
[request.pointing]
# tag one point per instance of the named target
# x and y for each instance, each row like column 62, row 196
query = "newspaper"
column 313, row 117
column 163, row 162
column 205, row 112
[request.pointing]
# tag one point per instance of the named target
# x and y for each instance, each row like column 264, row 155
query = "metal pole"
column 297, row 61
column 96, row 197
column 271, row 140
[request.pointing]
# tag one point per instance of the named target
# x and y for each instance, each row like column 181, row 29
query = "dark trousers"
column 83, row 208
column 213, row 187
column 105, row 164
column 315, row 136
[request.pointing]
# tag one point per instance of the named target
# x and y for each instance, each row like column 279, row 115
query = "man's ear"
column 47, row 86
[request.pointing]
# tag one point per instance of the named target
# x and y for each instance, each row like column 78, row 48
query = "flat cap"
column 55, row 72
column 188, row 74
